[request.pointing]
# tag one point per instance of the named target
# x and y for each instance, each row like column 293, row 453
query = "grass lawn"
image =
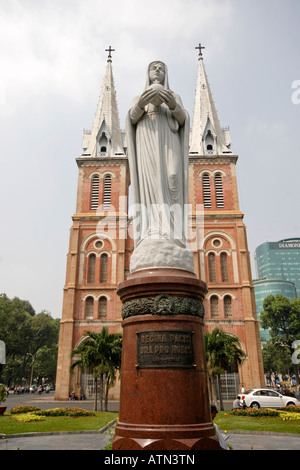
column 8, row 425
column 227, row 422
column 224, row 420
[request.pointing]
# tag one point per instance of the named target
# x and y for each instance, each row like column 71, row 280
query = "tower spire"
column 207, row 136
column 105, row 138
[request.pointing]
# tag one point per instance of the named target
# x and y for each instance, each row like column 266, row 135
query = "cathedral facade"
column 101, row 241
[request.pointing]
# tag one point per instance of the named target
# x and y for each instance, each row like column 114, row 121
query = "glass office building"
column 279, row 260
column 278, row 272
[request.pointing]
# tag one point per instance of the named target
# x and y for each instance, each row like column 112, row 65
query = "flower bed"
column 293, row 409
column 253, row 412
column 289, row 416
column 24, row 409
column 27, row 417
column 71, row 412
column 289, row 413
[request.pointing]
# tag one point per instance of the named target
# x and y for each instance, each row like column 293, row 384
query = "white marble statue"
column 157, row 129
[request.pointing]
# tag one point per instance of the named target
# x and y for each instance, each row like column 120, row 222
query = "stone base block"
column 186, row 438
column 164, row 401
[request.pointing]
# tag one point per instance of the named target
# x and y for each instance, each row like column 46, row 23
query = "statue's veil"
column 166, row 80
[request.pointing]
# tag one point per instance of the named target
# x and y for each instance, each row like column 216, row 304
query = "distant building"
column 266, row 287
column 278, row 272
column 279, row 260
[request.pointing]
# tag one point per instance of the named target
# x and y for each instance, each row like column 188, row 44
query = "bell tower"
column 222, row 258
column 96, row 258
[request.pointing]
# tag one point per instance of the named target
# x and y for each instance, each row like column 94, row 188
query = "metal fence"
column 229, row 386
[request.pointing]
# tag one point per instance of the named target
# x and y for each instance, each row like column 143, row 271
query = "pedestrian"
column 214, row 412
column 236, row 404
column 242, row 388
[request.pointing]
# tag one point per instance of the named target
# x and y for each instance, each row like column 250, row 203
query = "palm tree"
column 222, row 350
column 101, row 354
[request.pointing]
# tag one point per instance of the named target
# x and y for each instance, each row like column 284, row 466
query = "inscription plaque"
column 165, row 349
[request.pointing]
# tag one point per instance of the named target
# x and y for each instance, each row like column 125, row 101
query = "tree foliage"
column 282, row 317
column 222, row 350
column 276, row 358
column 27, row 336
column 100, row 353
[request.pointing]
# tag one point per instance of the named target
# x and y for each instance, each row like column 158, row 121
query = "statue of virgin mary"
column 157, row 131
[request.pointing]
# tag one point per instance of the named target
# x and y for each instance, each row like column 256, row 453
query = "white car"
column 265, row 398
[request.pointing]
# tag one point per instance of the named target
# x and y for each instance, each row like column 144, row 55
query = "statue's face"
column 157, row 72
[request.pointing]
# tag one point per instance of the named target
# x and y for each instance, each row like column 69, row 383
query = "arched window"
column 219, row 190
column 89, row 308
column 95, row 192
column 206, row 190
column 102, row 307
column 228, row 306
column 107, row 192
column 214, row 306
column 209, row 142
column 91, row 268
column 103, row 268
column 102, row 145
column 212, row 267
column 224, row 267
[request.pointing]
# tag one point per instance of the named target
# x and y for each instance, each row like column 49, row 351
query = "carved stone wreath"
column 163, row 305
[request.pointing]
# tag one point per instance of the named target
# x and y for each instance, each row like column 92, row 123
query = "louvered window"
column 95, row 193
column 224, row 267
column 102, row 307
column 219, row 190
column 206, row 190
column 91, row 269
column 89, row 308
column 212, row 267
column 214, row 306
column 103, row 268
column 107, row 193
column 228, row 306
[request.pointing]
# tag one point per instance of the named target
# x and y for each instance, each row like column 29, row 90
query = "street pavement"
column 97, row 440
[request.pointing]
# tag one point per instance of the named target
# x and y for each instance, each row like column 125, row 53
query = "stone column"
column 164, row 402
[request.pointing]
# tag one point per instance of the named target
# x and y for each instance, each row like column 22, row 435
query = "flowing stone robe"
column 157, row 140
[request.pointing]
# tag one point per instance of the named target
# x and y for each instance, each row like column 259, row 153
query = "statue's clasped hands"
column 166, row 96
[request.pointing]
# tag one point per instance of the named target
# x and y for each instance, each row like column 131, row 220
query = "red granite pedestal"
column 164, row 401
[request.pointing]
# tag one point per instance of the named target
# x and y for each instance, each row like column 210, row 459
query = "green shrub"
column 24, row 409
column 2, row 393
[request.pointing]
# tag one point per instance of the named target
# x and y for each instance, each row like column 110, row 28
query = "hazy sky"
column 52, row 64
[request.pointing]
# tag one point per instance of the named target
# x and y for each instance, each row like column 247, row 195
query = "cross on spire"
column 109, row 50
column 200, row 50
